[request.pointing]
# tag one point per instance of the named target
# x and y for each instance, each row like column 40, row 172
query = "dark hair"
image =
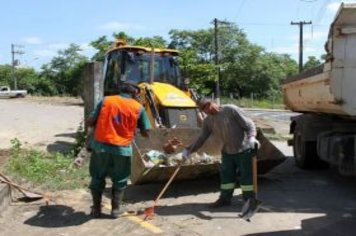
column 129, row 88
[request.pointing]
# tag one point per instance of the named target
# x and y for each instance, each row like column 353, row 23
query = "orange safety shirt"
column 117, row 120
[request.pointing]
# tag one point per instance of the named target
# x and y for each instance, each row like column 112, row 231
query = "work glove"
column 78, row 162
column 253, row 143
column 185, row 154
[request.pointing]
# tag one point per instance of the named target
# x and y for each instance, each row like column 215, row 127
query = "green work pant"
column 228, row 170
column 103, row 164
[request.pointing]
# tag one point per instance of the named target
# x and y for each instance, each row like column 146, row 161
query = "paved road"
column 277, row 115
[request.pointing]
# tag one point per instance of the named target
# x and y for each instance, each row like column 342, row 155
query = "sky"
column 39, row 28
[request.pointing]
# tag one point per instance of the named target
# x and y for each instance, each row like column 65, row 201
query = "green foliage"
column 267, row 103
column 156, row 42
column 246, row 68
column 65, row 72
column 102, row 44
column 26, row 77
column 51, row 170
column 80, row 138
column 311, row 63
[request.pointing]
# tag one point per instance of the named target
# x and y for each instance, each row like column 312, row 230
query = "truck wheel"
column 299, row 148
column 305, row 152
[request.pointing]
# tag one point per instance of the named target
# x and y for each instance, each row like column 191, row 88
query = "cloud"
column 50, row 50
column 32, row 40
column 58, row 46
column 316, row 35
column 293, row 49
column 117, row 26
column 45, row 53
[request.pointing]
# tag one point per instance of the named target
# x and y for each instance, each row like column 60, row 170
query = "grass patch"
column 52, row 171
column 252, row 103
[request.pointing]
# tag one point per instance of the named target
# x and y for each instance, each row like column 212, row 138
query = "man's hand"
column 254, row 143
column 78, row 162
column 185, row 154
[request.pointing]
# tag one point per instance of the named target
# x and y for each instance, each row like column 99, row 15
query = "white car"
column 5, row 91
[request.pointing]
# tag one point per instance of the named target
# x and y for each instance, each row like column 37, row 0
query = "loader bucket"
column 268, row 156
column 140, row 173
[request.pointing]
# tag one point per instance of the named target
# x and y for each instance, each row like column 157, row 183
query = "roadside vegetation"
column 48, row 171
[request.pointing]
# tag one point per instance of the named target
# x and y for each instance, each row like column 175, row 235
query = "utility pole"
column 216, row 22
column 15, row 62
column 301, row 24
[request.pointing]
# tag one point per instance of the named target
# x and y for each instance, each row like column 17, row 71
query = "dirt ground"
column 48, row 124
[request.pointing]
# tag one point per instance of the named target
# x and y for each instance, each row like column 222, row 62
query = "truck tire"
column 305, row 152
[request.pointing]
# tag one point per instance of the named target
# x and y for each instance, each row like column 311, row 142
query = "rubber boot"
column 117, row 196
column 221, row 202
column 96, row 208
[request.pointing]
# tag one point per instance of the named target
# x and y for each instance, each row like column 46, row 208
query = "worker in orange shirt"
column 115, row 120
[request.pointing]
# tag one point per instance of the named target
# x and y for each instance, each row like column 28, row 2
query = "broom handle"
column 167, row 184
column 254, row 173
column 8, row 181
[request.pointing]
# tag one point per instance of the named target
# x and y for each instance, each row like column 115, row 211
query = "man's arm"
column 245, row 122
column 143, row 123
column 204, row 135
column 91, row 121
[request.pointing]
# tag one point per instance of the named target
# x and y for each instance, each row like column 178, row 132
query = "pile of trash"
column 157, row 158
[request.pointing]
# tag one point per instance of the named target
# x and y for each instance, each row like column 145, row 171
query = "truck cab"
column 6, row 92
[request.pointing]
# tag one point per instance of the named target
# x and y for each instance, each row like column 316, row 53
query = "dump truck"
column 324, row 134
column 172, row 111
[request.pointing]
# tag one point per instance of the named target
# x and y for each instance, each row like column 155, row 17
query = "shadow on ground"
column 57, row 216
column 60, row 146
column 319, row 226
column 67, row 135
column 147, row 192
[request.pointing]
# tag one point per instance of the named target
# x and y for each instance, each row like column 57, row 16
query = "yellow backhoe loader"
column 171, row 107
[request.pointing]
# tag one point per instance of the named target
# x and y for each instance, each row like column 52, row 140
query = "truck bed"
column 331, row 87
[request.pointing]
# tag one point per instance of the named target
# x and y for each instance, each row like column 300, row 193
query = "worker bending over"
column 237, row 134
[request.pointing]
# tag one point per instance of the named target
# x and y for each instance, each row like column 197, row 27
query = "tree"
column 102, row 44
column 64, row 70
column 311, row 63
column 246, row 68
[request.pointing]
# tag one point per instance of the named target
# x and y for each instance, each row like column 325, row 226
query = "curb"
column 4, row 197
